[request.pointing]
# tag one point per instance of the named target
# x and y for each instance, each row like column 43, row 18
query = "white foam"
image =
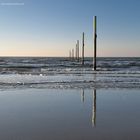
column 72, row 80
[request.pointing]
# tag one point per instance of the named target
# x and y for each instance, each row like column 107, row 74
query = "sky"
column 52, row 27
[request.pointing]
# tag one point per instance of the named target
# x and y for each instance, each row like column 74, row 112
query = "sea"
column 62, row 72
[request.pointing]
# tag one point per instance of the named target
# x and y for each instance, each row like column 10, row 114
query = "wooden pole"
column 95, row 42
column 78, row 50
column 83, row 45
column 70, row 54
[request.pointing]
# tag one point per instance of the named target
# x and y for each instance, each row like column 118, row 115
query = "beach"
column 72, row 114
column 58, row 99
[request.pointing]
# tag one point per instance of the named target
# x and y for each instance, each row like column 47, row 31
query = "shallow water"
column 72, row 114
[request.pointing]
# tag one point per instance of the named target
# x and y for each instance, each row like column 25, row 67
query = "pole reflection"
column 94, row 97
column 82, row 95
column 94, row 109
column 94, row 103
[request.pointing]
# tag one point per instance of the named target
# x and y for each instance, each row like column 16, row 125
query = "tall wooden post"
column 95, row 42
column 70, row 54
column 78, row 50
column 83, row 45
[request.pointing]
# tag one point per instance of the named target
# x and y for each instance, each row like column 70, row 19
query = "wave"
column 62, row 72
column 74, row 81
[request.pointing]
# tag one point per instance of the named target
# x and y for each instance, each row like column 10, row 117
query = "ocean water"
column 51, row 72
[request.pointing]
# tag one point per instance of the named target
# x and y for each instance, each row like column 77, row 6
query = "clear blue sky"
column 51, row 27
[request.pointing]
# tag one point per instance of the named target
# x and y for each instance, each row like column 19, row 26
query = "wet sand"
column 72, row 114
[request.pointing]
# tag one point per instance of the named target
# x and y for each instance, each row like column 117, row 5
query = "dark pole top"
column 95, row 41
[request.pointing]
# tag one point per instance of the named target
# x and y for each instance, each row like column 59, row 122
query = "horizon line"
column 80, row 57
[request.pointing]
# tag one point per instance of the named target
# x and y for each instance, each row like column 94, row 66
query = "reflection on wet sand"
column 82, row 95
column 38, row 114
column 93, row 105
column 94, row 109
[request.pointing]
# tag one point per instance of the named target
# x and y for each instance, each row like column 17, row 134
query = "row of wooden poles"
column 76, row 56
